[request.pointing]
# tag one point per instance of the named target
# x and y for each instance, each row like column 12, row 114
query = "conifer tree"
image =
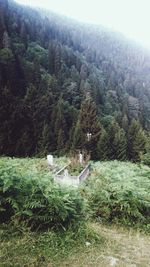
column 102, row 147
column 78, row 137
column 6, row 40
column 44, row 141
column 50, row 59
column 139, row 145
column 61, row 142
column 120, row 144
column 125, row 123
column 57, row 59
column 145, row 158
column 60, row 126
column 136, row 141
column 117, row 145
column 88, row 127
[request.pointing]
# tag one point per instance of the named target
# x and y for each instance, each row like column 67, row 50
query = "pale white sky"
column 131, row 17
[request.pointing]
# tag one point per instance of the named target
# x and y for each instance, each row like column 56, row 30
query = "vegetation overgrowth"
column 43, row 223
column 118, row 192
column 115, row 192
column 30, row 196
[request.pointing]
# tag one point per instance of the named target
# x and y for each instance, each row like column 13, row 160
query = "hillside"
column 53, row 71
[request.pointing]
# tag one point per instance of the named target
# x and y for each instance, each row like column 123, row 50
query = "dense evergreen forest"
column 67, row 86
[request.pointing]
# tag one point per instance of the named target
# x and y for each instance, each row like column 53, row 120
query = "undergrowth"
column 21, row 247
column 43, row 222
column 31, row 197
column 119, row 193
column 115, row 192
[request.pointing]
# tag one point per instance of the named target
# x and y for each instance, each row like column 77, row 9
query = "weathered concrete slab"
column 69, row 179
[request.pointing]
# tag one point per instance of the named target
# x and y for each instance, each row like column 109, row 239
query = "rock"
column 87, row 244
column 113, row 261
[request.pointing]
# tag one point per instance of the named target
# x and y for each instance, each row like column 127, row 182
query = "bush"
column 33, row 198
column 146, row 159
column 119, row 192
column 112, row 206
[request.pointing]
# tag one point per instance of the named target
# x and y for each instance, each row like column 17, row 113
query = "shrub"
column 113, row 206
column 119, row 192
column 146, row 159
column 34, row 199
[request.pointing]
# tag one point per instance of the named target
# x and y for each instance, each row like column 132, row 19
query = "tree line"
column 66, row 86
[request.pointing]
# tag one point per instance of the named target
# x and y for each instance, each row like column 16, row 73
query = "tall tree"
column 43, row 146
column 136, row 141
column 88, row 127
column 102, row 146
column 117, row 144
column 6, row 40
column 60, row 126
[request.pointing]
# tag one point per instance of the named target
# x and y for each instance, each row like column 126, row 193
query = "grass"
column 130, row 248
column 20, row 247
column 67, row 249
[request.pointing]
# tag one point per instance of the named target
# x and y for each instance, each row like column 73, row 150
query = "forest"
column 68, row 86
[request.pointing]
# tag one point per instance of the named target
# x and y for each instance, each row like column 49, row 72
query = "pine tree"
column 6, row 40
column 23, row 34
column 125, row 123
column 145, row 158
column 120, row 144
column 102, row 146
column 88, row 127
column 61, row 142
column 57, row 59
column 78, row 137
column 117, row 145
column 60, row 126
column 136, row 141
column 51, row 58
column 2, row 25
column 44, row 141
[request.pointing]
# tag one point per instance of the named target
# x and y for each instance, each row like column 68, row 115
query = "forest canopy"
column 61, row 80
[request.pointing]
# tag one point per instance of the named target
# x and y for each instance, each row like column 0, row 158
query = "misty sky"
column 131, row 17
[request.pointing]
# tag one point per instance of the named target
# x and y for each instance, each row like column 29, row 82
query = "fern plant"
column 33, row 198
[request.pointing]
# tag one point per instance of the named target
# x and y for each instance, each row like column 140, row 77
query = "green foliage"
column 78, row 137
column 102, row 146
column 136, row 141
column 35, row 51
column 75, row 168
column 116, row 192
column 117, row 144
column 20, row 247
column 32, row 198
column 6, row 56
column 87, row 124
column 119, row 192
column 43, row 144
column 112, row 144
column 145, row 159
column 59, row 80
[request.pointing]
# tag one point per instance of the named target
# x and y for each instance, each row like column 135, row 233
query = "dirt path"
column 123, row 248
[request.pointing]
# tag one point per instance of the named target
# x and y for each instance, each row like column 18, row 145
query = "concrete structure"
column 70, row 180
column 50, row 160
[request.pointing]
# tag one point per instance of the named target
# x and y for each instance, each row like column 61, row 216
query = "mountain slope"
column 49, row 63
